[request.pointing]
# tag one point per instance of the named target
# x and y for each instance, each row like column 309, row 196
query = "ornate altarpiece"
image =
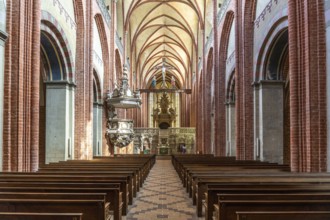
column 164, row 116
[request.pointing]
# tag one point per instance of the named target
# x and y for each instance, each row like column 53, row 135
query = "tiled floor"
column 162, row 197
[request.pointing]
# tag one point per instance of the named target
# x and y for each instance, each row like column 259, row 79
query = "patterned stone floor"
column 162, row 197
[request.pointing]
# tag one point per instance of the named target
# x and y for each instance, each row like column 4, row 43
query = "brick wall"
column 307, row 57
column 220, row 82
column 207, row 107
column 21, row 91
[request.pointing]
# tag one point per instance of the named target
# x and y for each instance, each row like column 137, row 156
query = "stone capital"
column 61, row 84
column 3, row 36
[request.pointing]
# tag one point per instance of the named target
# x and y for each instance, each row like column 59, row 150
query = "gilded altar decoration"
column 165, row 115
column 120, row 132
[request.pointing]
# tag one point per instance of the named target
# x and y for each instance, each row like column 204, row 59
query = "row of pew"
column 223, row 188
column 98, row 189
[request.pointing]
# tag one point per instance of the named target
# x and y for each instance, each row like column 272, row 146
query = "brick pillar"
column 3, row 38
column 307, row 58
column 84, row 81
column 107, row 77
column 188, row 109
column 21, row 90
column 202, row 91
column 218, row 130
column 80, row 79
column 145, row 111
column 244, row 69
column 220, row 89
column 199, row 120
column 183, row 109
column 207, row 103
column 193, row 107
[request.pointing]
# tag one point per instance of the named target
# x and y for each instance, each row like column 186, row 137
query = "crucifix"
column 164, row 67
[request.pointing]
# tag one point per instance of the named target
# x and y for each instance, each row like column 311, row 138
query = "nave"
column 183, row 187
column 162, row 196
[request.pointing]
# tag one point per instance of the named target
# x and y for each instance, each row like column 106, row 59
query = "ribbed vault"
column 158, row 29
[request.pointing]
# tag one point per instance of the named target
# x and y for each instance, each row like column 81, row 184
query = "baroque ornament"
column 119, row 132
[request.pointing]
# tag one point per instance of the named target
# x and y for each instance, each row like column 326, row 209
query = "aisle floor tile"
column 162, row 197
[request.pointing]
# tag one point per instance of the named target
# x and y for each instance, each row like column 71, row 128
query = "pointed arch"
column 105, row 50
column 220, row 86
column 53, row 38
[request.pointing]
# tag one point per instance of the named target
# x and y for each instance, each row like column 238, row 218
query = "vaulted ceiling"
column 160, row 29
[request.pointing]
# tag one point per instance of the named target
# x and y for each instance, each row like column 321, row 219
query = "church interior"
column 164, row 109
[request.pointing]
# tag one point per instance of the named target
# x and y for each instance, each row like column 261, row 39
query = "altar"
column 163, row 150
column 164, row 141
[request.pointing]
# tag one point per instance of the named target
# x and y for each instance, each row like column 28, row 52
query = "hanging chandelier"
column 120, row 132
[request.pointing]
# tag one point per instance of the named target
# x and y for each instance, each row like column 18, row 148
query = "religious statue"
column 153, row 82
column 173, row 82
column 164, row 115
column 164, row 67
column 172, row 112
column 164, row 103
column 155, row 115
column 156, row 112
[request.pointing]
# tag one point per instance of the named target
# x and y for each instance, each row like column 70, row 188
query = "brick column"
column 207, row 103
column 21, row 90
column 307, row 55
column 202, row 91
column 218, row 130
column 3, row 38
column 220, row 88
column 243, row 74
column 84, row 79
column 183, row 110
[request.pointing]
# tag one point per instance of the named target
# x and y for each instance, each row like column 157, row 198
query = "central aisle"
column 162, row 196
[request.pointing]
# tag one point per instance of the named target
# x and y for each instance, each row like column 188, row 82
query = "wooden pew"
column 228, row 208
column 279, row 196
column 48, row 178
column 91, row 209
column 201, row 184
column 128, row 165
column 39, row 216
column 197, row 175
column 113, row 195
column 97, row 165
column 283, row 215
column 214, row 192
column 137, row 177
column 191, row 177
column 92, row 206
column 126, row 174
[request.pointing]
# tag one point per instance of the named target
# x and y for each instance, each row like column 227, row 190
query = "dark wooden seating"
column 217, row 182
column 228, row 208
column 90, row 208
column 62, row 178
column 283, row 215
column 116, row 180
column 113, row 194
column 39, row 216
column 216, row 191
